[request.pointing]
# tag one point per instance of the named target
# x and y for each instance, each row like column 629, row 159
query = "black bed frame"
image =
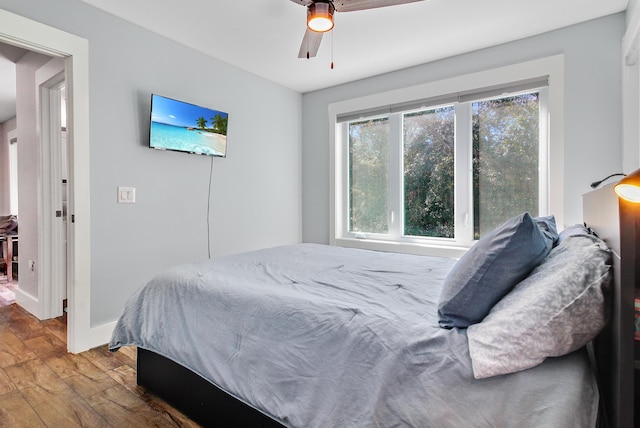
column 196, row 397
column 617, row 222
column 613, row 349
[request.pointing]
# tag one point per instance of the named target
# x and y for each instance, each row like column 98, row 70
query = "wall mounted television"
column 184, row 127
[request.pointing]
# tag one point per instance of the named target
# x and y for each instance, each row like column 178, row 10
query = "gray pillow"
column 547, row 225
column 576, row 229
column 491, row 268
column 557, row 309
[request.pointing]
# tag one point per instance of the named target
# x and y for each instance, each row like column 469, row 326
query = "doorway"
column 74, row 52
column 42, row 175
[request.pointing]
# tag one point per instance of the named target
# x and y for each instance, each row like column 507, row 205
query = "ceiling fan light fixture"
column 320, row 17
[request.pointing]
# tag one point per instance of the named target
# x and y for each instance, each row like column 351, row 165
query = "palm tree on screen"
column 202, row 122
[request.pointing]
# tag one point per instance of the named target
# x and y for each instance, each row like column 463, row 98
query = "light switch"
column 126, row 195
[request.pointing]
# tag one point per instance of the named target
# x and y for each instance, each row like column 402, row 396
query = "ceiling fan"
column 320, row 18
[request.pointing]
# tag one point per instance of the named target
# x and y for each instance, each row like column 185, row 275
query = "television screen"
column 184, row 127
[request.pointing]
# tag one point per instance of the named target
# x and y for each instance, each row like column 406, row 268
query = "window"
column 369, row 175
column 441, row 171
column 506, row 159
column 428, row 172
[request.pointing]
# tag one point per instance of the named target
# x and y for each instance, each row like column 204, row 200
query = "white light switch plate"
column 126, row 195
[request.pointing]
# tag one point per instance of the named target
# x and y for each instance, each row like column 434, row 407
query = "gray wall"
column 256, row 191
column 592, row 110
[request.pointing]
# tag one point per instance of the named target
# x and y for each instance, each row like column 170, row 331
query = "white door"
column 53, row 249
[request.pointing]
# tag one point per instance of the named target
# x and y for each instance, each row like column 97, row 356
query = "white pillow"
column 557, row 309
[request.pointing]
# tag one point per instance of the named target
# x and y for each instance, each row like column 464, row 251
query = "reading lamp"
column 320, row 17
column 599, row 182
column 629, row 187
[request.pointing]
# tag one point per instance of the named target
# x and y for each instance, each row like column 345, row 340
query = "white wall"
column 28, row 154
column 631, row 10
column 5, row 128
column 631, row 90
column 256, row 191
column 592, row 110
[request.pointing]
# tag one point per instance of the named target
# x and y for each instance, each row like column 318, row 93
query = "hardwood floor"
column 7, row 293
column 41, row 385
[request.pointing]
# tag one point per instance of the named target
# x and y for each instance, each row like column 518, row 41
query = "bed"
column 311, row 335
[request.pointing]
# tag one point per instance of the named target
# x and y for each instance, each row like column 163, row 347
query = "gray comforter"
column 319, row 336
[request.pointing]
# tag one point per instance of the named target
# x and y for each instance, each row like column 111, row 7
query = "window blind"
column 456, row 97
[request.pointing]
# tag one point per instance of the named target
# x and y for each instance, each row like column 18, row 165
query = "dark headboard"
column 616, row 222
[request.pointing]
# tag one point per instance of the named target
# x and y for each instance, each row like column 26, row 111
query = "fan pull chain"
column 332, row 49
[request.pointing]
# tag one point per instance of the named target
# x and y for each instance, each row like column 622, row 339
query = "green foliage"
column 505, row 152
column 369, row 176
column 428, row 173
column 505, row 160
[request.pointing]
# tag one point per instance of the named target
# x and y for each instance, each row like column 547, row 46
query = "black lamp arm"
column 597, row 183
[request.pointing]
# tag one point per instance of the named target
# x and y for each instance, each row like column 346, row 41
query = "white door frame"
column 52, row 261
column 28, row 34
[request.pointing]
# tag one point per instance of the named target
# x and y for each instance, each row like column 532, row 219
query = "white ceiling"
column 263, row 36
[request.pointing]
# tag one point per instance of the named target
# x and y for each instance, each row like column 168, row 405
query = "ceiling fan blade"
column 303, row 2
column 353, row 5
column 310, row 44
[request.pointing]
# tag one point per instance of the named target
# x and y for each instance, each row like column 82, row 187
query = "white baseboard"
column 91, row 338
column 30, row 303
column 100, row 335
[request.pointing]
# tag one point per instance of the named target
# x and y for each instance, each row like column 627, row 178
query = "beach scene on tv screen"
column 176, row 125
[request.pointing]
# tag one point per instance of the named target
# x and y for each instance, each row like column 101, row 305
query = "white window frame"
column 553, row 153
